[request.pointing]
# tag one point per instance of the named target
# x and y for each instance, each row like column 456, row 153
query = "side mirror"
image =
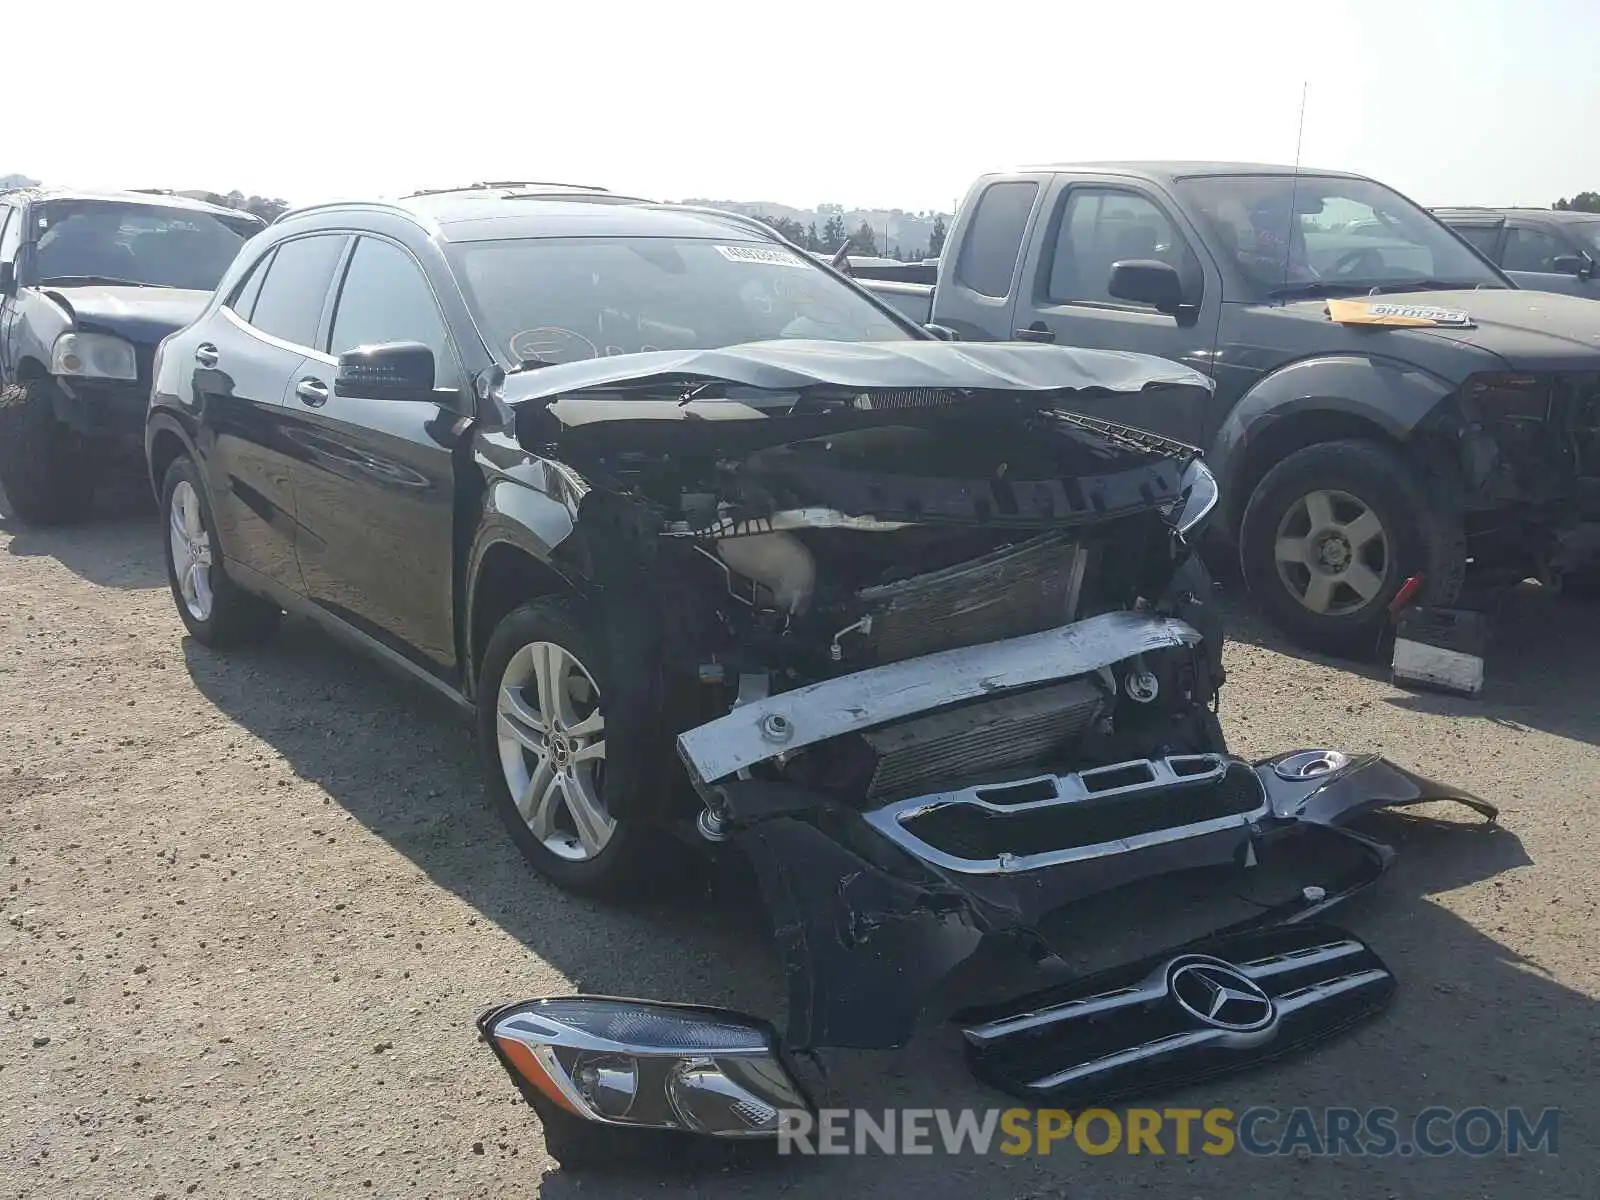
column 390, row 371
column 1568, row 264
column 1147, row 281
column 8, row 279
column 943, row 332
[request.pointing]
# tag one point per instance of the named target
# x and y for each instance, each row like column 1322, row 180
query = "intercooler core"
column 1011, row 732
column 1021, row 589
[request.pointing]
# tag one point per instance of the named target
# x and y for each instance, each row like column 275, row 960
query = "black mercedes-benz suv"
column 90, row 283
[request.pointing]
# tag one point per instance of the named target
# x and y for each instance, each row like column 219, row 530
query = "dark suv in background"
column 1546, row 249
column 90, row 283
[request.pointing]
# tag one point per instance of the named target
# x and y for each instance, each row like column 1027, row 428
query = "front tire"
column 542, row 734
column 47, row 474
column 1332, row 532
column 216, row 611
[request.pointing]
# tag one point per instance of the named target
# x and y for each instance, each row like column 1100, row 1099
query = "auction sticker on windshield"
column 1357, row 312
column 771, row 256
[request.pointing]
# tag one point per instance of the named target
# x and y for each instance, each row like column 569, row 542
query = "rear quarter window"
column 289, row 306
column 992, row 243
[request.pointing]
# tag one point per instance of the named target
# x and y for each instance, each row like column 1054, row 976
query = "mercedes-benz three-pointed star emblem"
column 1218, row 994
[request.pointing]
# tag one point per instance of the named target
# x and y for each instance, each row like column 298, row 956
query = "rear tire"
column 44, row 468
column 215, row 610
column 541, row 733
column 1332, row 532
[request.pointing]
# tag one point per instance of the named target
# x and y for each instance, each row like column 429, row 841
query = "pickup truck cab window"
column 386, row 298
column 1315, row 233
column 289, row 306
column 988, row 258
column 560, row 299
column 1100, row 226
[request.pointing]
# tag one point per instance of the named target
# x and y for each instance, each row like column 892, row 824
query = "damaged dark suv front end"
column 937, row 659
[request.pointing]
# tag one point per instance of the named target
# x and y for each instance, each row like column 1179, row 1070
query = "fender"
column 1394, row 395
column 515, row 514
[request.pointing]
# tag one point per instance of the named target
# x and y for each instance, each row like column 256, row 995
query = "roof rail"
column 506, row 184
column 383, row 204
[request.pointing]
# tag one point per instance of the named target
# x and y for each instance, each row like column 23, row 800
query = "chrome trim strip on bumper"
column 790, row 721
column 1070, row 790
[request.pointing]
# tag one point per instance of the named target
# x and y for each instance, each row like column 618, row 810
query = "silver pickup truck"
column 1387, row 403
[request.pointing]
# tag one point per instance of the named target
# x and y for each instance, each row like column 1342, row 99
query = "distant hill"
column 17, row 181
column 893, row 228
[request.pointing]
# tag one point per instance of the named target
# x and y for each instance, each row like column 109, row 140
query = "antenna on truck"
column 1294, row 186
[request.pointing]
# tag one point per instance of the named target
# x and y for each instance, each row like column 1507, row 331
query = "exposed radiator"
column 1021, row 589
column 1019, row 731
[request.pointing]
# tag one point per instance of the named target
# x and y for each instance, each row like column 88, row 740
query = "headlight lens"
column 654, row 1066
column 1200, row 493
column 93, row 356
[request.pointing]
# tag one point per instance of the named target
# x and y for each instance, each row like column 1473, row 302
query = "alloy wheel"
column 190, row 543
column 551, row 735
column 1332, row 552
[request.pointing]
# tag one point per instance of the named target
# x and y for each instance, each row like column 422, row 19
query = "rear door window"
column 993, row 239
column 289, row 306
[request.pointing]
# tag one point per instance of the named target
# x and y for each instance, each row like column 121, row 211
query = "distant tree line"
column 864, row 241
column 1582, row 202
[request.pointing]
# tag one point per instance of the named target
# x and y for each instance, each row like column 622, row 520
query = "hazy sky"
column 1475, row 101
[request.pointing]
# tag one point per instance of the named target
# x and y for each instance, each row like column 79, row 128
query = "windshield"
column 557, row 300
column 1324, row 234
column 151, row 245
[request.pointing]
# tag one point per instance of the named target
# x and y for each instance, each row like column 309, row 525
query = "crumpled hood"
column 1527, row 330
column 791, row 365
column 143, row 315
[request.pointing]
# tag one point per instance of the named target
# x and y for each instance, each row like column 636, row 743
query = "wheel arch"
column 1314, row 400
column 506, row 572
column 1282, row 437
column 165, row 441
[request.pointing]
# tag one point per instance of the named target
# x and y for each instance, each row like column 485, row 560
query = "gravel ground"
column 252, row 905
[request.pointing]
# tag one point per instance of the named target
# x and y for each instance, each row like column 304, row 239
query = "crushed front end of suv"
column 938, row 662
column 89, row 286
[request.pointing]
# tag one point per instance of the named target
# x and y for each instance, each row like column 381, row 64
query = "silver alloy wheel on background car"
column 190, row 543
column 1332, row 552
column 551, row 736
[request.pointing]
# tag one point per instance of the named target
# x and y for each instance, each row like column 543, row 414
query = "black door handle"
column 206, row 354
column 312, row 391
column 1037, row 332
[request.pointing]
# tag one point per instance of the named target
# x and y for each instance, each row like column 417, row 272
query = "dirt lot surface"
column 251, row 906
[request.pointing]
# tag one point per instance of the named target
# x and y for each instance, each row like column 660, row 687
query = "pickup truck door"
column 1530, row 254
column 375, row 479
column 977, row 285
column 1086, row 225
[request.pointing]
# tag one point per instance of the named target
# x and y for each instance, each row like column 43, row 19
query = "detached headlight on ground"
column 646, row 1066
column 93, row 356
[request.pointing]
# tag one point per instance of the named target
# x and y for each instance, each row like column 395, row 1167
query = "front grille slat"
column 1135, row 1029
